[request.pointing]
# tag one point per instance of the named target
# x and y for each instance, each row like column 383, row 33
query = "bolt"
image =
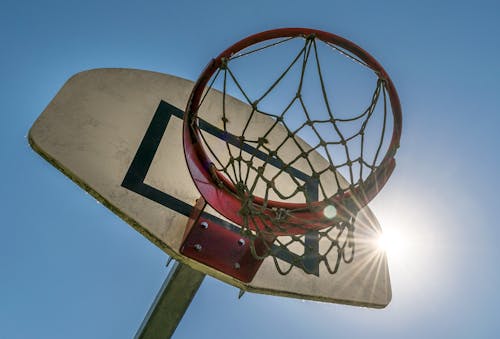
column 241, row 242
column 198, row 247
column 237, row 266
column 204, row 225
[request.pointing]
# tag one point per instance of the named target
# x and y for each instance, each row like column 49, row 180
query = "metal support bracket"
column 218, row 247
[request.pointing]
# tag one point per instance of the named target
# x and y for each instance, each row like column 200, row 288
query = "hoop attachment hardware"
column 220, row 247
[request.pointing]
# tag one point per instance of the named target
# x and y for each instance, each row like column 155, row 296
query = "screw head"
column 204, row 225
column 237, row 265
column 198, row 247
column 241, row 242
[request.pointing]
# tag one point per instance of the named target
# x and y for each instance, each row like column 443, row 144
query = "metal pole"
column 171, row 303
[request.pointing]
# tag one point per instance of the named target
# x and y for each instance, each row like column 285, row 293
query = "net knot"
column 223, row 63
column 261, row 141
column 241, row 188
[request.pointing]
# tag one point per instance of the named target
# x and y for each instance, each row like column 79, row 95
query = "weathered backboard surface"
column 118, row 134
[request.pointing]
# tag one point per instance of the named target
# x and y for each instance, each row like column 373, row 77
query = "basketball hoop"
column 230, row 182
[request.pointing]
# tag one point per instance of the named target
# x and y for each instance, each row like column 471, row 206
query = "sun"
column 392, row 242
column 383, row 242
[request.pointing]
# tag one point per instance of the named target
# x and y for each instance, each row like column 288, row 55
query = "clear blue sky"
column 70, row 269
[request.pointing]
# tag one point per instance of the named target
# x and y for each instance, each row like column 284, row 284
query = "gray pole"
column 171, row 303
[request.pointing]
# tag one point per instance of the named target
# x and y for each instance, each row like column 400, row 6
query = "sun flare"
column 392, row 243
column 383, row 242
